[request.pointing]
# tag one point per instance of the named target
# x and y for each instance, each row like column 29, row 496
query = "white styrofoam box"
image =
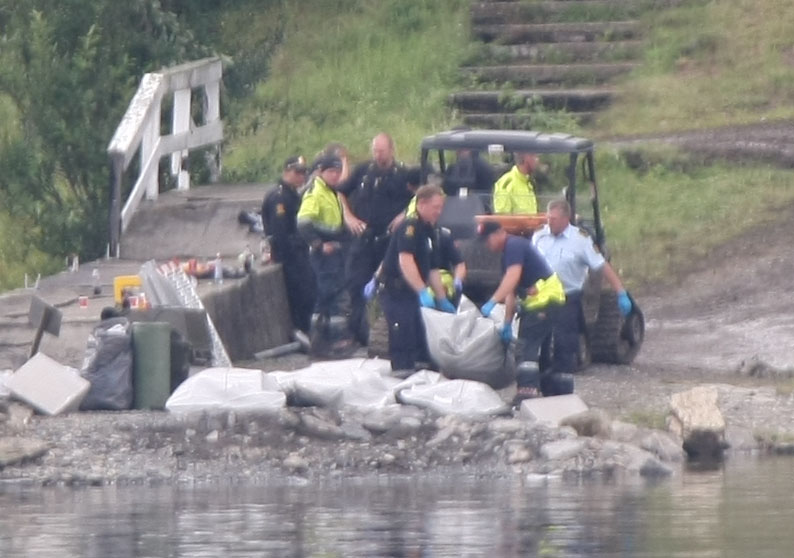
column 552, row 410
column 48, row 386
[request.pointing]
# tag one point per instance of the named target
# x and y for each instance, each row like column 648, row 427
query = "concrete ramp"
column 199, row 223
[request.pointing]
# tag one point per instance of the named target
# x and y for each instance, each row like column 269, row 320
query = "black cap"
column 485, row 229
column 296, row 163
column 329, row 162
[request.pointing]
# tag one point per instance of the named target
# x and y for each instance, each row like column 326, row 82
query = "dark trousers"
column 365, row 255
column 329, row 281
column 407, row 341
column 534, row 329
column 301, row 287
column 566, row 326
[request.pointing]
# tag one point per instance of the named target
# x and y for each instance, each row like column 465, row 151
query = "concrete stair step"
column 561, row 53
column 549, row 11
column 550, row 74
column 557, row 32
column 573, row 100
column 512, row 121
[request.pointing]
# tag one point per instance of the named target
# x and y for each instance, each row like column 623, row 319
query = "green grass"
column 346, row 74
column 709, row 64
column 667, row 216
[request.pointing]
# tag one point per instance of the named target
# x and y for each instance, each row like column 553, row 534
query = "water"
column 743, row 510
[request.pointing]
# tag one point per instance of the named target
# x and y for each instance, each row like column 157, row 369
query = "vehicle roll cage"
column 514, row 141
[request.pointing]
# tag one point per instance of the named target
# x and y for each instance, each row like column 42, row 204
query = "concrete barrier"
column 251, row 314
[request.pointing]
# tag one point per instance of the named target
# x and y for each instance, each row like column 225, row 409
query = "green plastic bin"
column 151, row 345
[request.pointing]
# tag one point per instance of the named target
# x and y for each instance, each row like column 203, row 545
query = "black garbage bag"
column 108, row 366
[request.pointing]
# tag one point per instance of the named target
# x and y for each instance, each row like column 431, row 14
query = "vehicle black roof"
column 510, row 140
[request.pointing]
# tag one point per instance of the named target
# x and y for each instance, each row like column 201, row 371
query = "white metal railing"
column 139, row 131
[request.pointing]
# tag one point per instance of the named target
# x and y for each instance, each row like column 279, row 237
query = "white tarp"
column 455, row 397
column 362, row 384
column 467, row 345
column 228, row 389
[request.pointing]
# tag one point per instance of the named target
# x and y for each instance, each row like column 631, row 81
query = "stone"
column 592, row 422
column 506, row 425
column 48, row 386
column 741, row 439
column 16, row 450
column 18, row 414
column 295, row 463
column 552, row 410
column 319, row 428
column 518, row 453
column 663, row 447
column 697, row 420
column 622, row 431
column 562, row 449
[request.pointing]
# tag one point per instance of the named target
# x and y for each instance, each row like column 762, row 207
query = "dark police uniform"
column 287, row 247
column 400, row 302
column 534, row 327
column 376, row 196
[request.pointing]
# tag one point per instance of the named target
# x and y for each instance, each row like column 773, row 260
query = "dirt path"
column 728, row 320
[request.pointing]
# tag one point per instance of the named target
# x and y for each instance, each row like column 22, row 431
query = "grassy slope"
column 345, row 74
column 708, row 64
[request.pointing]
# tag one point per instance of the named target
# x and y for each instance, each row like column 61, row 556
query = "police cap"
column 296, row 163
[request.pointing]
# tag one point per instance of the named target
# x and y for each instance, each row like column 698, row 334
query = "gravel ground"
column 727, row 322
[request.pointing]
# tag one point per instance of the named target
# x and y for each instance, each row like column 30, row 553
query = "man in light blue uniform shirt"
column 571, row 253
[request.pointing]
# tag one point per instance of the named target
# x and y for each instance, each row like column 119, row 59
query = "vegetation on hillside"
column 709, row 64
column 345, row 74
column 300, row 74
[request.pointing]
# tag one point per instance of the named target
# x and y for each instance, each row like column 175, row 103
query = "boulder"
column 697, row 420
column 15, row 450
column 592, row 422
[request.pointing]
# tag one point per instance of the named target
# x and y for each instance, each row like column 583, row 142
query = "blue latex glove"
column 624, row 303
column 426, row 299
column 506, row 333
column 369, row 289
column 458, row 285
column 487, row 308
column 446, row 306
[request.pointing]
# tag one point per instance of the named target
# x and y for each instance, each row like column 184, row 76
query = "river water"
column 743, row 509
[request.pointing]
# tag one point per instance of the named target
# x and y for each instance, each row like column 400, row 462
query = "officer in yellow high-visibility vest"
column 514, row 193
column 321, row 225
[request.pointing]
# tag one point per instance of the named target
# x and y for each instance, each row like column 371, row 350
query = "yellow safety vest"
column 321, row 208
column 550, row 291
column 513, row 194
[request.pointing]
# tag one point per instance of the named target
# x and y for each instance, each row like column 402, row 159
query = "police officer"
column 514, row 193
column 374, row 198
column 528, row 278
column 321, row 224
column 411, row 279
column 571, row 253
column 287, row 247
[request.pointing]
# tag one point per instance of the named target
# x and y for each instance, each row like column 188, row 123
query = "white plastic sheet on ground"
column 229, row 389
column 361, row 384
column 455, row 397
column 467, row 345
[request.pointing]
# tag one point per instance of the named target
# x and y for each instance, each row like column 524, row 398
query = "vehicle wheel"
column 613, row 338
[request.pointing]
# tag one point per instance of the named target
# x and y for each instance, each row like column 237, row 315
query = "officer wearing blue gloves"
column 411, row 279
column 571, row 253
column 530, row 285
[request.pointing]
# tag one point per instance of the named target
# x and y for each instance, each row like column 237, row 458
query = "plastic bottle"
column 96, row 281
column 264, row 250
column 218, row 270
